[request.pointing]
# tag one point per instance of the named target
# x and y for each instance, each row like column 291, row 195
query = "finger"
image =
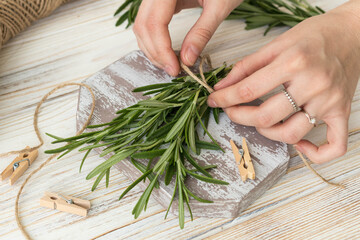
column 151, row 26
column 247, row 66
column 337, row 136
column 251, row 63
column 148, row 55
column 249, row 89
column 270, row 112
column 291, row 131
column 164, row 54
column 199, row 35
column 180, row 5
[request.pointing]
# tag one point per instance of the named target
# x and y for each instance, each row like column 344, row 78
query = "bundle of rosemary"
column 162, row 127
column 256, row 13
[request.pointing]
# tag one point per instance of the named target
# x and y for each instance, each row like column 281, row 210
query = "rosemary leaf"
column 195, row 164
column 98, row 179
column 206, row 179
column 207, row 145
column 110, row 162
column 149, row 154
column 196, row 197
column 132, row 185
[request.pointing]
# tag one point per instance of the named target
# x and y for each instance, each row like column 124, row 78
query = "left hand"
column 152, row 33
column 318, row 62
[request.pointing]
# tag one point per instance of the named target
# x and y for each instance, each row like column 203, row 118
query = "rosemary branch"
column 161, row 128
column 272, row 13
column 256, row 13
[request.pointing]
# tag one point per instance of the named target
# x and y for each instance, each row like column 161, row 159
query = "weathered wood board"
column 113, row 90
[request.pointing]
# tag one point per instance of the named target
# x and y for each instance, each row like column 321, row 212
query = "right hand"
column 151, row 30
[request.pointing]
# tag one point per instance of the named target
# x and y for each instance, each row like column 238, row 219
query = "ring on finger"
column 291, row 100
column 312, row 119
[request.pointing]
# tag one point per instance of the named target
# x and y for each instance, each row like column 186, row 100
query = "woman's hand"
column 318, row 62
column 151, row 30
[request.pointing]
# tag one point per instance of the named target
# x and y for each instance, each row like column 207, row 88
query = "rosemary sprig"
column 128, row 15
column 162, row 127
column 272, row 13
column 256, row 13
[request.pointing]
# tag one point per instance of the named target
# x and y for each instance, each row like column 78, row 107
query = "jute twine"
column 201, row 81
column 16, row 15
column 36, row 128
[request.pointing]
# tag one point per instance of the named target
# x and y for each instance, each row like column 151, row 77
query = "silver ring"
column 312, row 120
column 292, row 101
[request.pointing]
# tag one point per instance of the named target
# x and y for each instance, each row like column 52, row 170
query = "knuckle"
column 232, row 115
column 151, row 26
column 264, row 120
column 338, row 97
column 203, row 33
column 290, row 137
column 298, row 61
column 340, row 150
column 245, row 93
column 240, row 67
column 324, row 79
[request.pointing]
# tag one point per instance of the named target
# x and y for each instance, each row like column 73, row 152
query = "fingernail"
column 212, row 103
column 170, row 70
column 191, row 54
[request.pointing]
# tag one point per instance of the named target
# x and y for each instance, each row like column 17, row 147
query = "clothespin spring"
column 17, row 164
column 241, row 151
column 69, row 201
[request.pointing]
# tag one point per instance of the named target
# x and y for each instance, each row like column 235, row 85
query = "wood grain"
column 78, row 40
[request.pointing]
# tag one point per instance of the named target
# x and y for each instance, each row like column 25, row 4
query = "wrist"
column 349, row 14
column 346, row 20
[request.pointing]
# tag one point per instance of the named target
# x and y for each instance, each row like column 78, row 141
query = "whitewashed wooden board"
column 113, row 87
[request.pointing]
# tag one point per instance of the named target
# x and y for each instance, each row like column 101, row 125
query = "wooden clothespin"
column 243, row 160
column 17, row 167
column 65, row 203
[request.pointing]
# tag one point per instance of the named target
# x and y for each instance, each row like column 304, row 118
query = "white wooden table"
column 78, row 40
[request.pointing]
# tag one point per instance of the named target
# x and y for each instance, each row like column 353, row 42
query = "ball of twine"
column 16, row 15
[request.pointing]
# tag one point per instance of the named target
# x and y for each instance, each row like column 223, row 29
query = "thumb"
column 200, row 34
